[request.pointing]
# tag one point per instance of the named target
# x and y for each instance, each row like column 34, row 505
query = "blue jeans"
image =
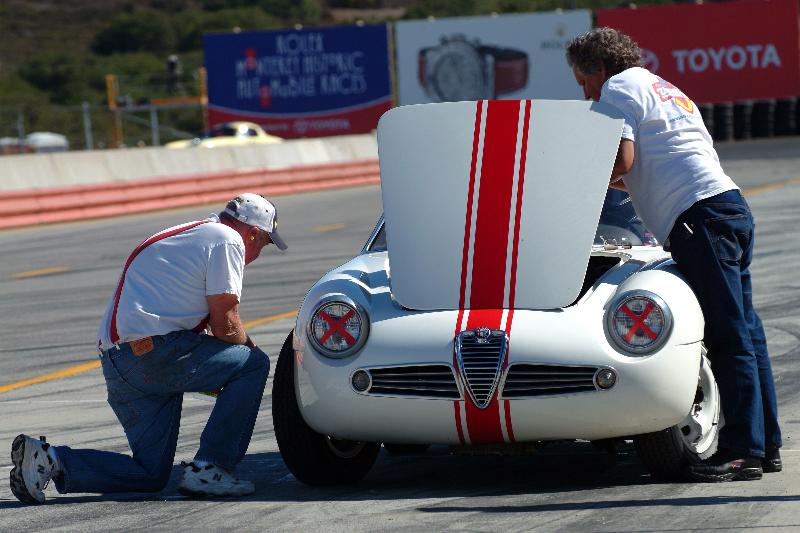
column 146, row 393
column 714, row 255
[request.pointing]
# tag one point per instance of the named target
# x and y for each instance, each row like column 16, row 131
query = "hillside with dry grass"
column 55, row 54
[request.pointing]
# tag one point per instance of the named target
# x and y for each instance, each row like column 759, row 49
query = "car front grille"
column 526, row 380
column 480, row 353
column 419, row 381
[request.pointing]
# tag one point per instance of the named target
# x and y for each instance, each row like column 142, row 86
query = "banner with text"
column 474, row 58
column 300, row 83
column 731, row 51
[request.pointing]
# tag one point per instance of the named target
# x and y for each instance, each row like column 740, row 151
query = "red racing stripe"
column 114, row 335
column 457, row 403
column 465, row 252
column 514, row 254
column 484, row 424
column 459, row 429
column 509, row 321
column 494, row 202
column 522, row 160
column 491, row 245
column 509, row 429
column 470, row 193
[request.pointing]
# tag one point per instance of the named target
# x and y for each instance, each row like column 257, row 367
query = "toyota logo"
column 649, row 60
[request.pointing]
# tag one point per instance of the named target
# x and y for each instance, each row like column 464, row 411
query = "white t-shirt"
column 165, row 286
column 675, row 163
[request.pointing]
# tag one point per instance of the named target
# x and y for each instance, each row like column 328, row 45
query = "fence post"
column 87, row 126
column 202, row 78
column 112, row 90
column 154, row 125
column 20, row 125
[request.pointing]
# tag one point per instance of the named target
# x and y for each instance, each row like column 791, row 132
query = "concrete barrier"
column 62, row 204
column 61, row 187
column 36, row 171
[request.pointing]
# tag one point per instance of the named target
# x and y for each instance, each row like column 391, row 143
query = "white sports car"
column 490, row 309
column 236, row 133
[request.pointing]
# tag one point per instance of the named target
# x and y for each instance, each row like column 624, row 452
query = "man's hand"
column 618, row 185
column 224, row 319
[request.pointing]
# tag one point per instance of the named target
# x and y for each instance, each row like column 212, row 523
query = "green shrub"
column 191, row 25
column 141, row 31
column 57, row 74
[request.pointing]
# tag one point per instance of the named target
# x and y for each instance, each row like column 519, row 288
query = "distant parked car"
column 45, row 141
column 13, row 145
column 229, row 134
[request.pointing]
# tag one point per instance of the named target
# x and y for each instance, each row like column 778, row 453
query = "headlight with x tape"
column 339, row 326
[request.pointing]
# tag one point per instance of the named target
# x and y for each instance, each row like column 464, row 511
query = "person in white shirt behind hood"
column 667, row 163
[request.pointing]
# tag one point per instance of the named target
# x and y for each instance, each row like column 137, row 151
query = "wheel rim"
column 344, row 449
column 699, row 429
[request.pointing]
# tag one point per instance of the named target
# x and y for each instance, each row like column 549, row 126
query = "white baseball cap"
column 255, row 210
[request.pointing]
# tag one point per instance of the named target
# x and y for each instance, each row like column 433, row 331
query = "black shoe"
column 727, row 466
column 772, row 461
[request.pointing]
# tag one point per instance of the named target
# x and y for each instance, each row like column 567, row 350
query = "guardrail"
column 64, row 204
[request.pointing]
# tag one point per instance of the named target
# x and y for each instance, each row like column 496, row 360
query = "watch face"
column 456, row 73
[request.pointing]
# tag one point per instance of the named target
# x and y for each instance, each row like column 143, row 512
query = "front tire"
column 312, row 458
column 668, row 452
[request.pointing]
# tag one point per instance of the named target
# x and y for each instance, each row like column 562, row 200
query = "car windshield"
column 619, row 225
column 223, row 131
column 229, row 130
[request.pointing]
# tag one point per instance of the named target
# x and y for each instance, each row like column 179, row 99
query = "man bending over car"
column 667, row 163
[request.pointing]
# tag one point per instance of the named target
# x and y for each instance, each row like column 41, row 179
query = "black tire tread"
column 662, row 454
column 305, row 452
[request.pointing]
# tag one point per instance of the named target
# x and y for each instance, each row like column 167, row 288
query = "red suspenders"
column 113, row 330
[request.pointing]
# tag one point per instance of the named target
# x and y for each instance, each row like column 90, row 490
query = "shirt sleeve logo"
column 666, row 91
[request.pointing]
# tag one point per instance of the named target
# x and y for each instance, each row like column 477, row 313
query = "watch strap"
column 510, row 68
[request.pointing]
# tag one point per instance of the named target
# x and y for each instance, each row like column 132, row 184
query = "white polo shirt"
column 675, row 163
column 164, row 286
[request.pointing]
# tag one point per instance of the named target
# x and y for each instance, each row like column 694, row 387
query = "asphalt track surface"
column 56, row 280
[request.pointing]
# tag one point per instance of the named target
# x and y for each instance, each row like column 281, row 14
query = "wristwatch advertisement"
column 460, row 70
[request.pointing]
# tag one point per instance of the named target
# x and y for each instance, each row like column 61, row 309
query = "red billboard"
column 720, row 52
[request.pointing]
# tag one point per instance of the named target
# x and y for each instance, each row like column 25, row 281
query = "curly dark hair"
column 603, row 46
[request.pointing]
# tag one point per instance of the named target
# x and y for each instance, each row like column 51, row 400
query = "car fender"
column 668, row 283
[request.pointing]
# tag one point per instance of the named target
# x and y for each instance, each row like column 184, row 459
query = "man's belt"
column 145, row 344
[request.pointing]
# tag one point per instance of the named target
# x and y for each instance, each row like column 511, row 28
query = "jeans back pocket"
column 731, row 236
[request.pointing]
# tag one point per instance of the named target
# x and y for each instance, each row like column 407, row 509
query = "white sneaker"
column 212, row 480
column 33, row 468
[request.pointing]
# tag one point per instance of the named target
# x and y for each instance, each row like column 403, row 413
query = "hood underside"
column 493, row 204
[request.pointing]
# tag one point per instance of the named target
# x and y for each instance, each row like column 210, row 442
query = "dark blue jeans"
column 714, row 254
column 146, row 394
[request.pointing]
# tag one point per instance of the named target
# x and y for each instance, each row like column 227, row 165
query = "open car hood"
column 493, row 204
